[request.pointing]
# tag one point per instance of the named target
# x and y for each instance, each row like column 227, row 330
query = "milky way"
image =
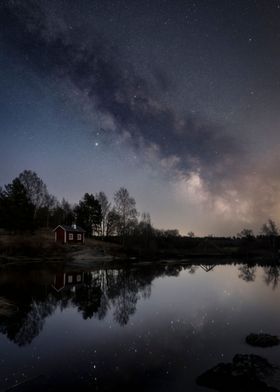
column 177, row 100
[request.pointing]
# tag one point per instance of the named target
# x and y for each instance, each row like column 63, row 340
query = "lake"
column 149, row 327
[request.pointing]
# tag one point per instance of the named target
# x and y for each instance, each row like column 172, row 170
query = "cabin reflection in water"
column 67, row 279
column 79, row 289
column 207, row 268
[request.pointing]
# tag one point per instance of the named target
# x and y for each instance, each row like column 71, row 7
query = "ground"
column 41, row 247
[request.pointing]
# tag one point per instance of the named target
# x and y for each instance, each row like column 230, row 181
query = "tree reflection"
column 92, row 293
column 23, row 325
column 272, row 275
column 247, row 273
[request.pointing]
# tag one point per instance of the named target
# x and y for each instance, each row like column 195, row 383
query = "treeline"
column 26, row 205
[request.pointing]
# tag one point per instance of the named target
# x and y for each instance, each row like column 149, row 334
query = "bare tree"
column 112, row 223
column 245, row 233
column 36, row 189
column 125, row 207
column 145, row 230
column 270, row 230
column 105, row 209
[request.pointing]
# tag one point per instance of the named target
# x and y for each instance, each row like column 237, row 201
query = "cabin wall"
column 59, row 235
column 74, row 237
column 69, row 237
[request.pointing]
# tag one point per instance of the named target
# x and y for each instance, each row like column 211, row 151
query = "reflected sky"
column 152, row 327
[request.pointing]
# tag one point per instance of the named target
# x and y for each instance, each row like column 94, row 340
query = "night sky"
column 176, row 100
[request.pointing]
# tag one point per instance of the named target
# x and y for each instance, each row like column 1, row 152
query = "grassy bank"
column 41, row 247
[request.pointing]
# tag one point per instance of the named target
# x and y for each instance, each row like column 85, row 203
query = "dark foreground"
column 149, row 327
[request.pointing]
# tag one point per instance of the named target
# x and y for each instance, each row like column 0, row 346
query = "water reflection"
column 34, row 297
column 92, row 293
column 247, row 273
column 154, row 327
column 207, row 268
column 30, row 309
column 272, row 275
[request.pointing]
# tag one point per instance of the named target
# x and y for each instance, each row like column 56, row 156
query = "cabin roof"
column 78, row 229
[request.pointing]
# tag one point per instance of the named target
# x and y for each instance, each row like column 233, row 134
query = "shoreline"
column 86, row 259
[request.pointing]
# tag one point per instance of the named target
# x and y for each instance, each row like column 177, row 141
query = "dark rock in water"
column 262, row 340
column 245, row 373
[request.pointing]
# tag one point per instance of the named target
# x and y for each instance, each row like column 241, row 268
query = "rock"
column 245, row 373
column 262, row 340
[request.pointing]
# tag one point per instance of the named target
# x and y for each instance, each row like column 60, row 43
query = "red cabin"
column 69, row 234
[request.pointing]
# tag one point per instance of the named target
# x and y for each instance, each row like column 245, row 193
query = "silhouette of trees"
column 16, row 209
column 68, row 215
column 39, row 196
column 105, row 210
column 247, row 273
column 62, row 213
column 36, row 189
column 31, row 310
column 169, row 233
column 34, row 196
column 246, row 241
column 88, row 214
column 32, row 322
column 144, row 232
column 93, row 213
column 125, row 207
column 272, row 275
column 246, row 233
column 113, row 222
column 88, row 299
column 270, row 230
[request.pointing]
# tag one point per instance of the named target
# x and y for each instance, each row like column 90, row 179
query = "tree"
column 113, row 221
column 62, row 213
column 67, row 212
column 88, row 214
column 270, row 228
column 16, row 209
column 145, row 230
column 39, row 196
column 246, row 233
column 145, row 225
column 272, row 275
column 191, row 234
column 105, row 209
column 36, row 189
column 247, row 273
column 125, row 207
column 170, row 233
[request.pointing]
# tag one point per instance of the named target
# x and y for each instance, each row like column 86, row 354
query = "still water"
column 152, row 328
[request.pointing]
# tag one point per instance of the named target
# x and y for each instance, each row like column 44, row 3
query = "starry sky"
column 176, row 100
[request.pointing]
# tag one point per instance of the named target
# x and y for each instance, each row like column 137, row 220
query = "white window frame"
column 71, row 237
column 79, row 237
